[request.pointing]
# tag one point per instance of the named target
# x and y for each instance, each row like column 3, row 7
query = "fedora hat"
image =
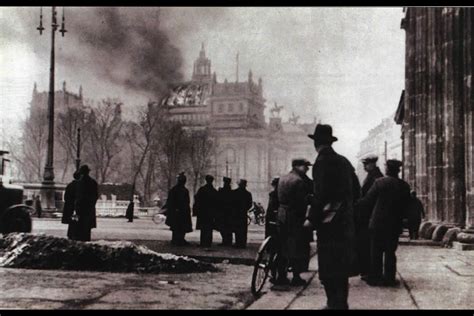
column 323, row 133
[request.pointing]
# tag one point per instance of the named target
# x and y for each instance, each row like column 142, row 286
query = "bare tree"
column 170, row 152
column 142, row 138
column 105, row 127
column 68, row 123
column 33, row 140
column 200, row 151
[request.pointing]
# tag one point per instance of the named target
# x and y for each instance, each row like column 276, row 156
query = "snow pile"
column 38, row 251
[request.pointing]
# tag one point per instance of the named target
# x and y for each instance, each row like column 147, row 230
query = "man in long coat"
column 363, row 215
column 388, row 198
column 205, row 202
column 292, row 195
column 243, row 202
column 332, row 215
column 69, row 205
column 86, row 197
column 224, row 213
column 178, row 214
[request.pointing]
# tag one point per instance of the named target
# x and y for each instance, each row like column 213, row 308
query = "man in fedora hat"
column 363, row 215
column 292, row 196
column 243, row 202
column 388, row 198
column 86, row 197
column 205, row 202
column 331, row 213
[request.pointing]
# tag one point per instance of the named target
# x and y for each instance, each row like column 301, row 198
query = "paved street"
column 431, row 278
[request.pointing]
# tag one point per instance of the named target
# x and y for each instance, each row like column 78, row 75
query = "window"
column 241, row 107
column 220, row 108
column 231, row 108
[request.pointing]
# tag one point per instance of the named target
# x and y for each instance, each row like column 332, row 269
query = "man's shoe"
column 375, row 282
column 298, row 282
column 391, row 283
column 281, row 281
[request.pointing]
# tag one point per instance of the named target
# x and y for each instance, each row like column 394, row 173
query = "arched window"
column 241, row 107
column 230, row 155
column 220, row 108
column 231, row 107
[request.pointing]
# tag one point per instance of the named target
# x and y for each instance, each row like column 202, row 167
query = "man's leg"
column 342, row 293
column 376, row 261
column 329, row 288
column 390, row 264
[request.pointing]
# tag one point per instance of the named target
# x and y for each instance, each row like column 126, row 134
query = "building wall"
column 438, row 123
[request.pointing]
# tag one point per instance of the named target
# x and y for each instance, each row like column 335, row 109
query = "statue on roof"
column 276, row 109
column 294, row 118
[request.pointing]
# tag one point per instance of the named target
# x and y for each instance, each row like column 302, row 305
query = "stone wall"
column 438, row 124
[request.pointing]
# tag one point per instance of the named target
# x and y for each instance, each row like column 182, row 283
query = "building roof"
column 188, row 94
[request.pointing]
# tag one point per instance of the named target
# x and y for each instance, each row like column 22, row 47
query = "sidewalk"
column 431, row 278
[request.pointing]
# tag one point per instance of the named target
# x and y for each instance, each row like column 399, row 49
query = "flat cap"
column 300, row 162
column 370, row 158
column 394, row 164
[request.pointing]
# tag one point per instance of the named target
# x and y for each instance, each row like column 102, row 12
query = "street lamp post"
column 48, row 187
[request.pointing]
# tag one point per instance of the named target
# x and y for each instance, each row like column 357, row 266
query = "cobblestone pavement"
column 50, row 289
column 431, row 278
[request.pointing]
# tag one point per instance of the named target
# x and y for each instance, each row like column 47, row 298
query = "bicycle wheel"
column 261, row 220
column 263, row 263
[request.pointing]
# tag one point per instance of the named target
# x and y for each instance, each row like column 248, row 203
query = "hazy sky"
column 343, row 65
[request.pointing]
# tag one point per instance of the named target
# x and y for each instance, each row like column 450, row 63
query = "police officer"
column 224, row 213
column 205, row 202
column 363, row 215
column 292, row 196
column 243, row 202
column 388, row 198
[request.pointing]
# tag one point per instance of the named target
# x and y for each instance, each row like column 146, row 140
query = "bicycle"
column 265, row 262
column 259, row 216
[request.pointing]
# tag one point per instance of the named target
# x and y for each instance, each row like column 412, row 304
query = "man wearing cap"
column 224, row 212
column 363, row 215
column 331, row 213
column 178, row 216
column 243, row 202
column 86, row 197
column 205, row 202
column 293, row 202
column 388, row 198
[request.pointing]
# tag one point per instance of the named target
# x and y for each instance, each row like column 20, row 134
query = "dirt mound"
column 38, row 251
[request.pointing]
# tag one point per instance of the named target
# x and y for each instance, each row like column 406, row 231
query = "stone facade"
column 437, row 120
column 247, row 146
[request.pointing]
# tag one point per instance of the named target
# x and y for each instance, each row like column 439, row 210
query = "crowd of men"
column 224, row 210
column 357, row 227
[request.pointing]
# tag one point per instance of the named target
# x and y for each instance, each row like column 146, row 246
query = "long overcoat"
column 389, row 198
column 205, row 203
column 271, row 213
column 334, row 181
column 243, row 202
column 178, row 214
column 292, row 197
column 87, row 193
column 225, row 209
column 69, row 201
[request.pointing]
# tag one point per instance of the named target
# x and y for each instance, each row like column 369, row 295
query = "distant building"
column 384, row 140
column 247, row 146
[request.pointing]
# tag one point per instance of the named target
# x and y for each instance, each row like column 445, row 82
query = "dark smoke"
column 127, row 47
